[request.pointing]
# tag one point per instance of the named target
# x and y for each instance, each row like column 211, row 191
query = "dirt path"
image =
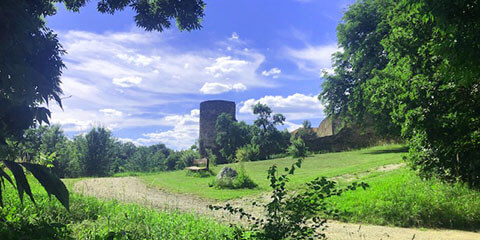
column 130, row 189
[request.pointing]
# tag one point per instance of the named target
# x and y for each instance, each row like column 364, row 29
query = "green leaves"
column 52, row 184
column 20, row 179
column 292, row 214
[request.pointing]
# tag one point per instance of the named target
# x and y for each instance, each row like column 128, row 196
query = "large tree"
column 267, row 137
column 359, row 36
column 423, row 78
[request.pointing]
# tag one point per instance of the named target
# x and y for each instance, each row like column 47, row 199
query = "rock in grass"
column 226, row 172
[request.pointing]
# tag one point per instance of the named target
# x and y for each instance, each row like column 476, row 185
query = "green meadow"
column 327, row 164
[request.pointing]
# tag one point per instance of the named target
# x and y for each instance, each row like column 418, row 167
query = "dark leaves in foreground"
column 52, row 184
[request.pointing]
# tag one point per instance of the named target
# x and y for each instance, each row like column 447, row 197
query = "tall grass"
column 90, row 218
column 401, row 198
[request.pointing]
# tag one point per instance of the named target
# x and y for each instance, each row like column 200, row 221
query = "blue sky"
column 147, row 86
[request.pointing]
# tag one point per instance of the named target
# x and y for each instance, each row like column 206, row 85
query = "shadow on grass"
column 385, row 151
column 40, row 230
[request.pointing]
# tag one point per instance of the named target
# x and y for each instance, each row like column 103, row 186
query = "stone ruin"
column 209, row 112
column 333, row 136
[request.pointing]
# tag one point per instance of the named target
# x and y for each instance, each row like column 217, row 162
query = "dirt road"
column 130, row 189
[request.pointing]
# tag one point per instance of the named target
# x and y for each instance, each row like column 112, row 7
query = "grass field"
column 401, row 198
column 90, row 218
column 328, row 164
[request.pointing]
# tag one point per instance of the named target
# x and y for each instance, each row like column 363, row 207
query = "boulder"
column 227, row 172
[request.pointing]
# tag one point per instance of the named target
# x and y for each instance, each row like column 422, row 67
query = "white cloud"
column 142, row 73
column 127, row 81
column 239, row 87
column 182, row 136
column 217, row 88
column 234, row 36
column 138, row 59
column 111, row 112
column 313, row 58
column 294, row 107
column 274, row 72
column 225, row 65
column 130, row 58
column 292, row 126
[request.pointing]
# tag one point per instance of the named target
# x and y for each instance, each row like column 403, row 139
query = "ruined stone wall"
column 328, row 127
column 209, row 112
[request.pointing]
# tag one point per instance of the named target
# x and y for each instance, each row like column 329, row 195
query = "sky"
column 146, row 87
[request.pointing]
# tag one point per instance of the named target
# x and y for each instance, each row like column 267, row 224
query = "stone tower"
column 209, row 112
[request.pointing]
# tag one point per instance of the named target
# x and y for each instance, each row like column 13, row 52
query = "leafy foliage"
column 291, row 215
column 30, row 54
column 409, row 66
column 306, row 132
column 242, row 180
column 298, row 149
column 231, row 135
column 267, row 137
column 31, row 66
column 51, row 183
column 247, row 153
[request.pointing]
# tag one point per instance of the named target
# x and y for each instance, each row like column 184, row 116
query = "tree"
column 306, row 132
column 98, row 155
column 231, row 135
column 435, row 86
column 31, row 64
column 269, row 140
column 359, row 35
column 411, row 67
column 122, row 154
column 47, row 141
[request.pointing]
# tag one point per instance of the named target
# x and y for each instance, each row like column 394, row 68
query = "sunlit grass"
column 328, row 164
column 90, row 218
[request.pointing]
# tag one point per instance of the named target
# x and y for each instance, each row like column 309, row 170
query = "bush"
column 290, row 215
column 186, row 158
column 298, row 149
column 242, row 180
column 249, row 152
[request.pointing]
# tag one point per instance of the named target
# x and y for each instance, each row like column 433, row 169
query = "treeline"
column 96, row 153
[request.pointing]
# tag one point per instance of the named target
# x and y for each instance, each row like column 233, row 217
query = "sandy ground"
column 131, row 189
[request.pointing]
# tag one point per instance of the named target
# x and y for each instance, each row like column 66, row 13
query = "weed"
column 290, row 215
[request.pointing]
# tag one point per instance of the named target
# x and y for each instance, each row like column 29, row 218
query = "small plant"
column 291, row 215
column 298, row 149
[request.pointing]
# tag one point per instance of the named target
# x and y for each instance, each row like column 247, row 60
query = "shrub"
column 249, row 152
column 298, row 149
column 242, row 180
column 186, row 158
column 290, row 215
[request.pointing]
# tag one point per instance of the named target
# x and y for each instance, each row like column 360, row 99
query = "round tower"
column 209, row 112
